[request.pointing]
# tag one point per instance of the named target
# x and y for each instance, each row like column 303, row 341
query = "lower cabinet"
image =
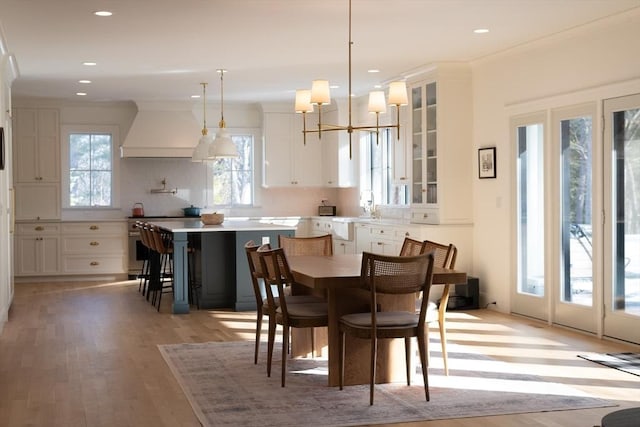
column 94, row 248
column 344, row 247
column 37, row 249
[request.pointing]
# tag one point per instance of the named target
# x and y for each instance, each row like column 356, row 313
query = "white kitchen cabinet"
column 441, row 164
column 344, row 247
column 37, row 249
column 94, row 247
column 37, row 148
column 37, row 163
column 338, row 168
column 376, row 238
column 288, row 160
column 401, row 152
column 37, row 201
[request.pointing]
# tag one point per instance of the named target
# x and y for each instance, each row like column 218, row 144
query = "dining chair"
column 300, row 315
column 314, row 245
column 262, row 303
column 411, row 247
column 396, row 275
column 444, row 256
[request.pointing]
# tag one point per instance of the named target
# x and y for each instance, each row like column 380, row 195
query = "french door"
column 622, row 236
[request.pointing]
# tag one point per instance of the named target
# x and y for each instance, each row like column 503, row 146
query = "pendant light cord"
column 204, row 109
column 221, row 124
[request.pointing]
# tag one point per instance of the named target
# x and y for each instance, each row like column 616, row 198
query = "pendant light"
column 320, row 95
column 223, row 146
column 201, row 152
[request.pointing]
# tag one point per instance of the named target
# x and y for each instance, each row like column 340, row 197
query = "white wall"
column 587, row 64
column 7, row 74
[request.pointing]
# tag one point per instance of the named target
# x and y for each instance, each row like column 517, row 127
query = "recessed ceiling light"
column 103, row 13
column 373, row 70
column 377, row 86
column 84, row 82
column 195, row 96
column 81, row 94
column 334, row 87
column 481, row 30
column 90, row 63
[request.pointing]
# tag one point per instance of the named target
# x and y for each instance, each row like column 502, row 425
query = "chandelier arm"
column 304, row 128
column 350, row 89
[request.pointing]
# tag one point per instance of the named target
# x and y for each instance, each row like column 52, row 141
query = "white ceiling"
column 158, row 50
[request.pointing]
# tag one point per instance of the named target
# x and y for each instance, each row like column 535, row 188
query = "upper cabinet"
column 440, row 123
column 37, row 163
column 288, row 160
column 338, row 167
column 37, row 133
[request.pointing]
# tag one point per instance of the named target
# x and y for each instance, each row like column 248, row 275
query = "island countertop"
column 197, row 226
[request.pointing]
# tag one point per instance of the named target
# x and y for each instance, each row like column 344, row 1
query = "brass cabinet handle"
column 94, row 243
column 39, row 228
column 94, row 263
column 94, row 227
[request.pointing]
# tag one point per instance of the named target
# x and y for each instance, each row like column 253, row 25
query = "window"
column 91, row 166
column 377, row 170
column 233, row 178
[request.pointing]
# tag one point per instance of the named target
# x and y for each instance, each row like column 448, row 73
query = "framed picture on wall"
column 1, row 148
column 487, row 162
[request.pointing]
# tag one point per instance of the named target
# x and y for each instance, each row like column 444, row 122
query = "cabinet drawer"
column 94, row 228
column 93, row 245
column 44, row 228
column 425, row 216
column 93, row 264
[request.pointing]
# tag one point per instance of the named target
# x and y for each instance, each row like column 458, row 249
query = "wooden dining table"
column 338, row 278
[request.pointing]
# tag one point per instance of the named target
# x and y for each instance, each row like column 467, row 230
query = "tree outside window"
column 233, row 177
column 90, row 169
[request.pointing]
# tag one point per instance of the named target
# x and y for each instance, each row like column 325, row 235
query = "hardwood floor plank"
column 85, row 354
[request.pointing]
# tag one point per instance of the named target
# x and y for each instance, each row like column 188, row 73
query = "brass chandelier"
column 319, row 95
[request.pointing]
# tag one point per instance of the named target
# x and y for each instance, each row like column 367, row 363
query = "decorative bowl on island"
column 212, row 218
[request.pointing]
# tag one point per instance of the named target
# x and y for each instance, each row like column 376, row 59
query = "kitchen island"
column 220, row 260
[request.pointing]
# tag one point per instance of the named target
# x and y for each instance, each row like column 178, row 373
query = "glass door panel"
column 576, row 276
column 622, row 142
column 529, row 297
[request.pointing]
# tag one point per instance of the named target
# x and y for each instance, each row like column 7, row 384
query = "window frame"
column 114, row 131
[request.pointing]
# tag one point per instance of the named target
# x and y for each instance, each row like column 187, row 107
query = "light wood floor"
column 84, row 354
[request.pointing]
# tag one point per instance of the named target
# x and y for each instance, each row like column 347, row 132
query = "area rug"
column 225, row 388
column 626, row 362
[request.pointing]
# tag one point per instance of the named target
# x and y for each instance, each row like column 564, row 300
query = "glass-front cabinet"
column 441, row 148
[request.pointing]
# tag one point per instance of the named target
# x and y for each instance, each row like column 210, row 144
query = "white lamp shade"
column 320, row 92
column 376, row 102
column 201, row 152
column 398, row 93
column 303, row 101
column 223, row 146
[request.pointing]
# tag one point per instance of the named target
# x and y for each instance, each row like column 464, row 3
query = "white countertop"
column 197, row 226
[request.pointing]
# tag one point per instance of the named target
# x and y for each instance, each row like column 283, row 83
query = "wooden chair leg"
column 313, row 342
column 422, row 349
column 407, row 358
column 258, row 333
column 270, row 341
column 341, row 350
column 443, row 342
column 374, row 356
column 285, row 345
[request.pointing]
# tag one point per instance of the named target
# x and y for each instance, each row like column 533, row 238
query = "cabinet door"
column 307, row 157
column 338, row 167
column 26, row 145
column 277, row 155
column 26, row 260
column 344, row 247
column 38, row 201
column 37, row 145
column 49, row 255
column 48, row 145
column 363, row 238
column 401, row 153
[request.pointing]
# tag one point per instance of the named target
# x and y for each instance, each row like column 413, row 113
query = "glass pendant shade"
column 376, row 102
column 398, row 93
column 303, row 101
column 320, row 92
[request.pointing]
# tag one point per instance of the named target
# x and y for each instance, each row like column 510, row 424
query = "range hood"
column 162, row 130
